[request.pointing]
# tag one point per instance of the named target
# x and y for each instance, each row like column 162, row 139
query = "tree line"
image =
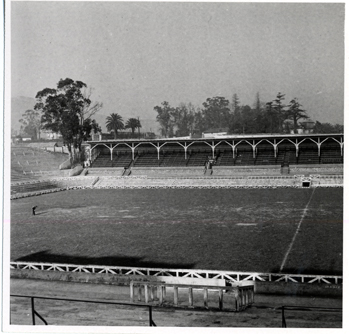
column 219, row 113
column 69, row 110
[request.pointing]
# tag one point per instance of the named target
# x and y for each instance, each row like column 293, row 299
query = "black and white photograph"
column 177, row 165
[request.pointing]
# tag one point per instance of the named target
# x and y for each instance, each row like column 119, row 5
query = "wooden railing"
column 232, row 276
column 156, row 292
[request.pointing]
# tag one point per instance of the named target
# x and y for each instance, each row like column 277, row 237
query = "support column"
column 139, row 292
column 206, row 297
column 146, row 293
column 111, row 152
column 160, row 293
column 254, row 149
column 297, row 147
column 152, row 292
column 175, row 295
column 133, row 151
column 131, row 292
column 191, row 297
column 319, row 147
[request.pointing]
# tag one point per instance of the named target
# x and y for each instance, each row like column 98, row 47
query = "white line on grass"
column 295, row 233
column 246, row 224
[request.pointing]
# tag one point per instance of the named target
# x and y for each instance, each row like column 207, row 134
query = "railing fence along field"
column 305, row 309
column 230, row 276
column 151, row 322
column 242, row 296
column 34, row 312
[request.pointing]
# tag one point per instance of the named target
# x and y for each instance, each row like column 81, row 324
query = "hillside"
column 19, row 105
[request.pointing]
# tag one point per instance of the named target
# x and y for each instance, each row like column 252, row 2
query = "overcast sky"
column 136, row 55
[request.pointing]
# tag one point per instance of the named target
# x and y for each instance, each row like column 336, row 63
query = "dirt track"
column 264, row 313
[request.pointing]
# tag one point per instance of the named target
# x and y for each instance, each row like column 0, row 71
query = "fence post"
column 131, row 292
column 33, row 310
column 146, row 293
column 175, row 295
column 283, row 325
column 151, row 322
column 139, row 292
column 152, row 292
column 161, row 296
column 190, row 296
column 206, row 297
column 220, row 299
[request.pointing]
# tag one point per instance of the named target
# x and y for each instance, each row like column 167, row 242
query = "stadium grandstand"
column 231, row 157
column 254, row 150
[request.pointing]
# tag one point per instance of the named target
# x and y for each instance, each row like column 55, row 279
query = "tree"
column 199, row 123
column 295, row 113
column 279, row 111
column 216, row 112
column 114, row 123
column 182, row 118
column 31, row 123
column 258, row 105
column 235, row 123
column 67, row 110
column 164, row 118
column 270, row 115
column 327, row 128
column 133, row 124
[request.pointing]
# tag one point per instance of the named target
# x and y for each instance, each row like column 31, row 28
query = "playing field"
column 259, row 230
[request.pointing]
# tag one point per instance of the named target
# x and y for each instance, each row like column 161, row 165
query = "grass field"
column 223, row 229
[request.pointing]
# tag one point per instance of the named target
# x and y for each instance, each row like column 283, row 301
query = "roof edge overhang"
column 217, row 138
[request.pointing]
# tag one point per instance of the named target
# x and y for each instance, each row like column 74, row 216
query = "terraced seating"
column 265, row 157
column 280, row 158
column 198, row 158
column 103, row 160
column 290, row 157
column 226, row 159
column 147, row 160
column 308, row 156
column 173, row 159
column 244, row 158
column 330, row 155
column 122, row 160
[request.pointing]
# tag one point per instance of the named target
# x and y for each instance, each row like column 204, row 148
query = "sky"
column 137, row 55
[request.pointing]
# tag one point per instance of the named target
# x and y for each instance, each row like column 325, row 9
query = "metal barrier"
column 243, row 295
column 35, row 313
column 303, row 308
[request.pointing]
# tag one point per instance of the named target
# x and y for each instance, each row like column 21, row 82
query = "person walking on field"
column 205, row 167
column 33, row 209
column 210, row 165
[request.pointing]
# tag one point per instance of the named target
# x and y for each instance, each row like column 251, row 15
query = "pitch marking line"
column 246, row 224
column 295, row 233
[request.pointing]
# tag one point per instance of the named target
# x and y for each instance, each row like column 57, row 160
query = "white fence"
column 231, row 276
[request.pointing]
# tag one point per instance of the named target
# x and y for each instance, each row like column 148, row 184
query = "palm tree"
column 133, row 124
column 114, row 123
